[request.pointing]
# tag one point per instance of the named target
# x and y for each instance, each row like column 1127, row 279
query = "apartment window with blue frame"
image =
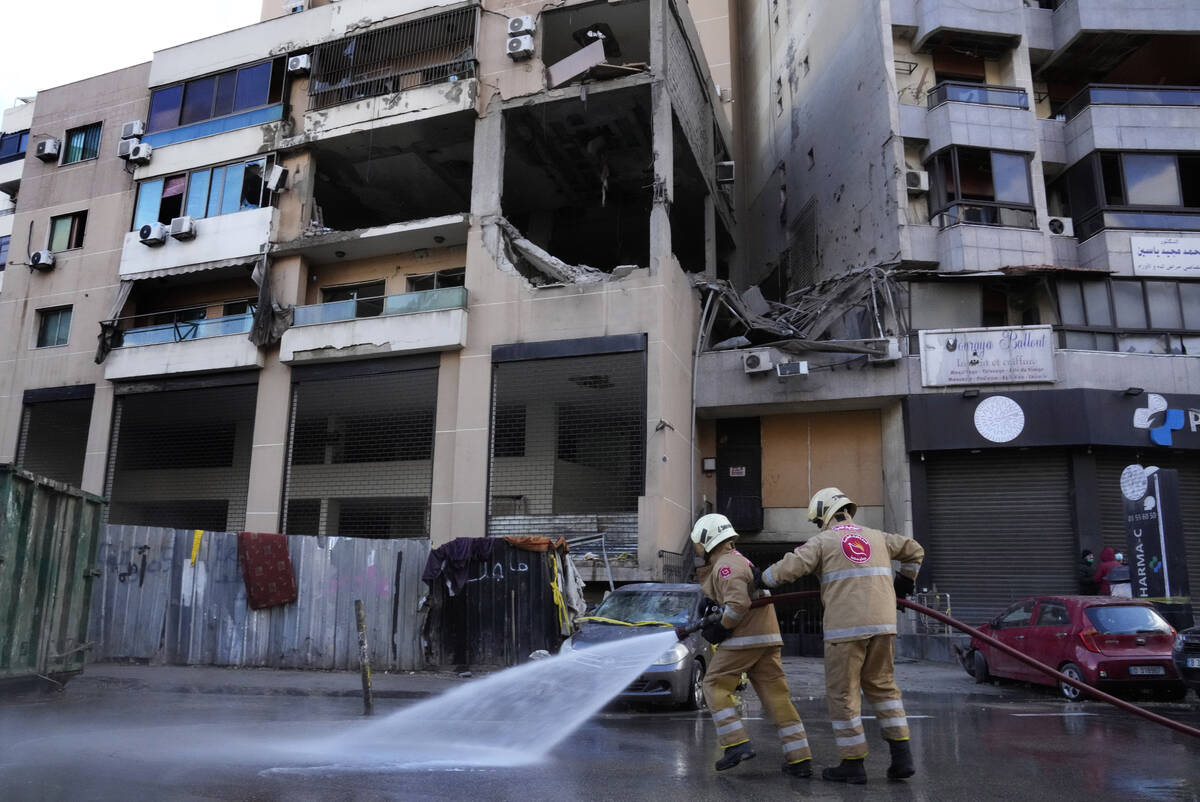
column 82, row 144
column 207, row 192
column 3, row 254
column 213, row 96
column 12, row 146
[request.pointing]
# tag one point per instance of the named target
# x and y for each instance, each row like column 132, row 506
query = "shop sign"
column 1162, row 420
column 1166, row 257
column 1015, row 355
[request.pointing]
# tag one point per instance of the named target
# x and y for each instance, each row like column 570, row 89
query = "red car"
column 1110, row 643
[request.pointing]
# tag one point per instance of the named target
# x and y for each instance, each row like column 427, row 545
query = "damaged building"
column 386, row 269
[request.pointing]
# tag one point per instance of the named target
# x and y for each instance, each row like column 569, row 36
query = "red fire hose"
column 1011, row 652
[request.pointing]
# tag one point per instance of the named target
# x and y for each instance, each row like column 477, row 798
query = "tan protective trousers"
column 764, row 669
column 863, row 665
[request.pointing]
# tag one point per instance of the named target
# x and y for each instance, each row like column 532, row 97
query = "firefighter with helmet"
column 749, row 642
column 854, row 563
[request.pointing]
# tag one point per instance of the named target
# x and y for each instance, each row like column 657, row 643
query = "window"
column 1019, row 616
column 436, row 281
column 66, row 231
column 54, row 326
column 1052, row 614
column 1130, row 315
column 367, row 298
column 975, row 185
column 82, row 144
column 1110, row 189
column 4, row 251
column 245, row 307
column 208, row 192
column 12, row 146
column 212, row 96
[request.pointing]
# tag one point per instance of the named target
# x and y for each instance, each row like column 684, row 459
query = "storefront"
column 1007, row 488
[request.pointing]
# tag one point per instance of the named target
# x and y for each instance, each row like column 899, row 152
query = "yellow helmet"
column 826, row 503
column 711, row 531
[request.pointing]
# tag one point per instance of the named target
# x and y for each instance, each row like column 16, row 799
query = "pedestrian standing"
column 1086, row 574
column 1107, row 563
column 1119, row 578
column 748, row 642
column 859, row 593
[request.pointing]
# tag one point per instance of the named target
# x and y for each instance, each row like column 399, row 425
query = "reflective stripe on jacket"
column 730, row 583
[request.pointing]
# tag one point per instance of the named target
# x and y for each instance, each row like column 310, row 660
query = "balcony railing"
column 1136, row 219
column 986, row 213
column 1124, row 95
column 181, row 330
column 984, row 94
column 409, row 303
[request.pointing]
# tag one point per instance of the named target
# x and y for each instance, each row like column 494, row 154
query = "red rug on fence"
column 266, row 569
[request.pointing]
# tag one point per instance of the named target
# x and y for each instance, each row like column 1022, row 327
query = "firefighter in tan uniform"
column 749, row 642
column 855, row 566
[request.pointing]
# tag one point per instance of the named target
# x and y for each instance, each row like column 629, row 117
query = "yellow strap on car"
column 604, row 620
column 563, row 618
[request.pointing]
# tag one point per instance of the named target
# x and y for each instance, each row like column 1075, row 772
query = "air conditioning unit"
column 47, row 150
column 299, row 65
column 125, row 147
column 889, row 351
column 520, row 47
column 520, row 25
column 917, row 181
column 133, row 128
column 41, row 260
column 759, row 361
column 140, row 153
column 153, row 234
column 725, row 172
column 183, row 228
column 277, row 178
column 1062, row 226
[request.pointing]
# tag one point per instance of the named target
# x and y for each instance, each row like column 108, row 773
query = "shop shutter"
column 999, row 528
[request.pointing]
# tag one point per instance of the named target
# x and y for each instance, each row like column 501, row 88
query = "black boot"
column 735, row 755
column 850, row 770
column 902, row 765
column 801, row 768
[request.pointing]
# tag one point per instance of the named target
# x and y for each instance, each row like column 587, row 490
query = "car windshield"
column 1126, row 619
column 671, row 607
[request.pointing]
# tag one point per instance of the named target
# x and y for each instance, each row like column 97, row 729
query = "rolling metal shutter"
column 999, row 528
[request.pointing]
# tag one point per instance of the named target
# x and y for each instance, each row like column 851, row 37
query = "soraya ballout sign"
column 1154, row 531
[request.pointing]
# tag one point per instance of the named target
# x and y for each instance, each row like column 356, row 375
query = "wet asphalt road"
column 134, row 744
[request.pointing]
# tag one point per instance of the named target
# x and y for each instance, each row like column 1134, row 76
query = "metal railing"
column 435, row 49
column 408, row 303
column 1093, row 223
column 986, row 213
column 985, row 94
column 1130, row 95
column 180, row 330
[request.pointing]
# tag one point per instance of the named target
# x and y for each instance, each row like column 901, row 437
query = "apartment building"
column 385, row 268
column 971, row 241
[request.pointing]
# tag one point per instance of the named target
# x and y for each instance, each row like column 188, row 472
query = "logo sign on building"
column 1166, row 257
column 1015, row 355
column 1155, row 547
column 1162, row 421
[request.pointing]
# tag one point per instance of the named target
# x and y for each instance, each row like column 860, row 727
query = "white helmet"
column 826, row 503
column 711, row 531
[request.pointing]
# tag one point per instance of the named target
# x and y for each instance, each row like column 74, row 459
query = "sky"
column 48, row 43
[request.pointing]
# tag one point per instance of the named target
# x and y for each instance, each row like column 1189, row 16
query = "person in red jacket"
column 1107, row 563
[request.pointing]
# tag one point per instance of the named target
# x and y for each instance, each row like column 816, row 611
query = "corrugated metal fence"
column 156, row 602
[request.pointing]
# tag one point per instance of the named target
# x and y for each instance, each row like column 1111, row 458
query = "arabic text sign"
column 1172, row 257
column 987, row 356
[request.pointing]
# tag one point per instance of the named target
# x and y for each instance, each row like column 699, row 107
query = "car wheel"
column 1070, row 692
column 695, row 699
column 979, row 663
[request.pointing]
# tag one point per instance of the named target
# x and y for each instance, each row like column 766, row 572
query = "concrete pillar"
column 269, row 449
column 710, row 238
column 441, row 501
column 662, row 141
column 95, row 459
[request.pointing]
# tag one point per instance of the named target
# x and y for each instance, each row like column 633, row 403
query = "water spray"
column 1011, row 652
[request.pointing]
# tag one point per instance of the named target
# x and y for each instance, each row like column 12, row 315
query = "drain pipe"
column 1011, row 652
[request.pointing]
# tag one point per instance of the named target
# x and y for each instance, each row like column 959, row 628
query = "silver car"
column 675, row 677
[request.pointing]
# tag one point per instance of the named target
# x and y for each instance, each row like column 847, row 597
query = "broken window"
column 359, row 300
column 597, row 41
column 207, row 192
column 360, row 453
column 568, row 443
column 53, row 439
column 181, row 458
column 1129, row 315
column 976, row 185
column 455, row 277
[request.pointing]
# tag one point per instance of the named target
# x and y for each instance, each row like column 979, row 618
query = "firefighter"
column 855, row 567
column 749, row 642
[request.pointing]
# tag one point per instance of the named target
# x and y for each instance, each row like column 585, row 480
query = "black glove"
column 903, row 585
column 681, row 632
column 714, row 632
column 758, row 580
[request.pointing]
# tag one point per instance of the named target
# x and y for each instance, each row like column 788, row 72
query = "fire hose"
column 975, row 633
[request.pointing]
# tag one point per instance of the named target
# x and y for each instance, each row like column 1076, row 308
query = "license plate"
column 1147, row 670
column 1193, row 662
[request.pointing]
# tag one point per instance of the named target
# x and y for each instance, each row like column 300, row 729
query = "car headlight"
column 672, row 655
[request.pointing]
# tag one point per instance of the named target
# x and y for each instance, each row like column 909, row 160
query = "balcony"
column 410, row 323
column 981, row 116
column 222, row 241
column 183, row 346
column 983, row 94
column 1083, row 24
column 988, row 31
column 1115, row 117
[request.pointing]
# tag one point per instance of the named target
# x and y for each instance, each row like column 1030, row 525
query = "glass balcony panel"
column 405, row 304
column 187, row 330
column 1096, row 95
column 978, row 93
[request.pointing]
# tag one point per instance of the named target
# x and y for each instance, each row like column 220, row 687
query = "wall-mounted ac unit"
column 140, row 153
column 758, row 361
column 153, row 234
column 299, row 64
column 916, row 181
column 889, row 351
column 725, row 172
column 520, row 25
column 47, row 150
column 520, row 47
column 183, row 228
column 133, row 128
column 277, row 178
column 1062, row 226
column 125, row 147
column 41, row 260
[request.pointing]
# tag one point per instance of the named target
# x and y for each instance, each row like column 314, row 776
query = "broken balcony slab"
column 207, row 354
column 331, row 247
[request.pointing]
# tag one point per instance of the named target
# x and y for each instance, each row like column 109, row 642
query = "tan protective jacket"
column 855, row 566
column 730, row 583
